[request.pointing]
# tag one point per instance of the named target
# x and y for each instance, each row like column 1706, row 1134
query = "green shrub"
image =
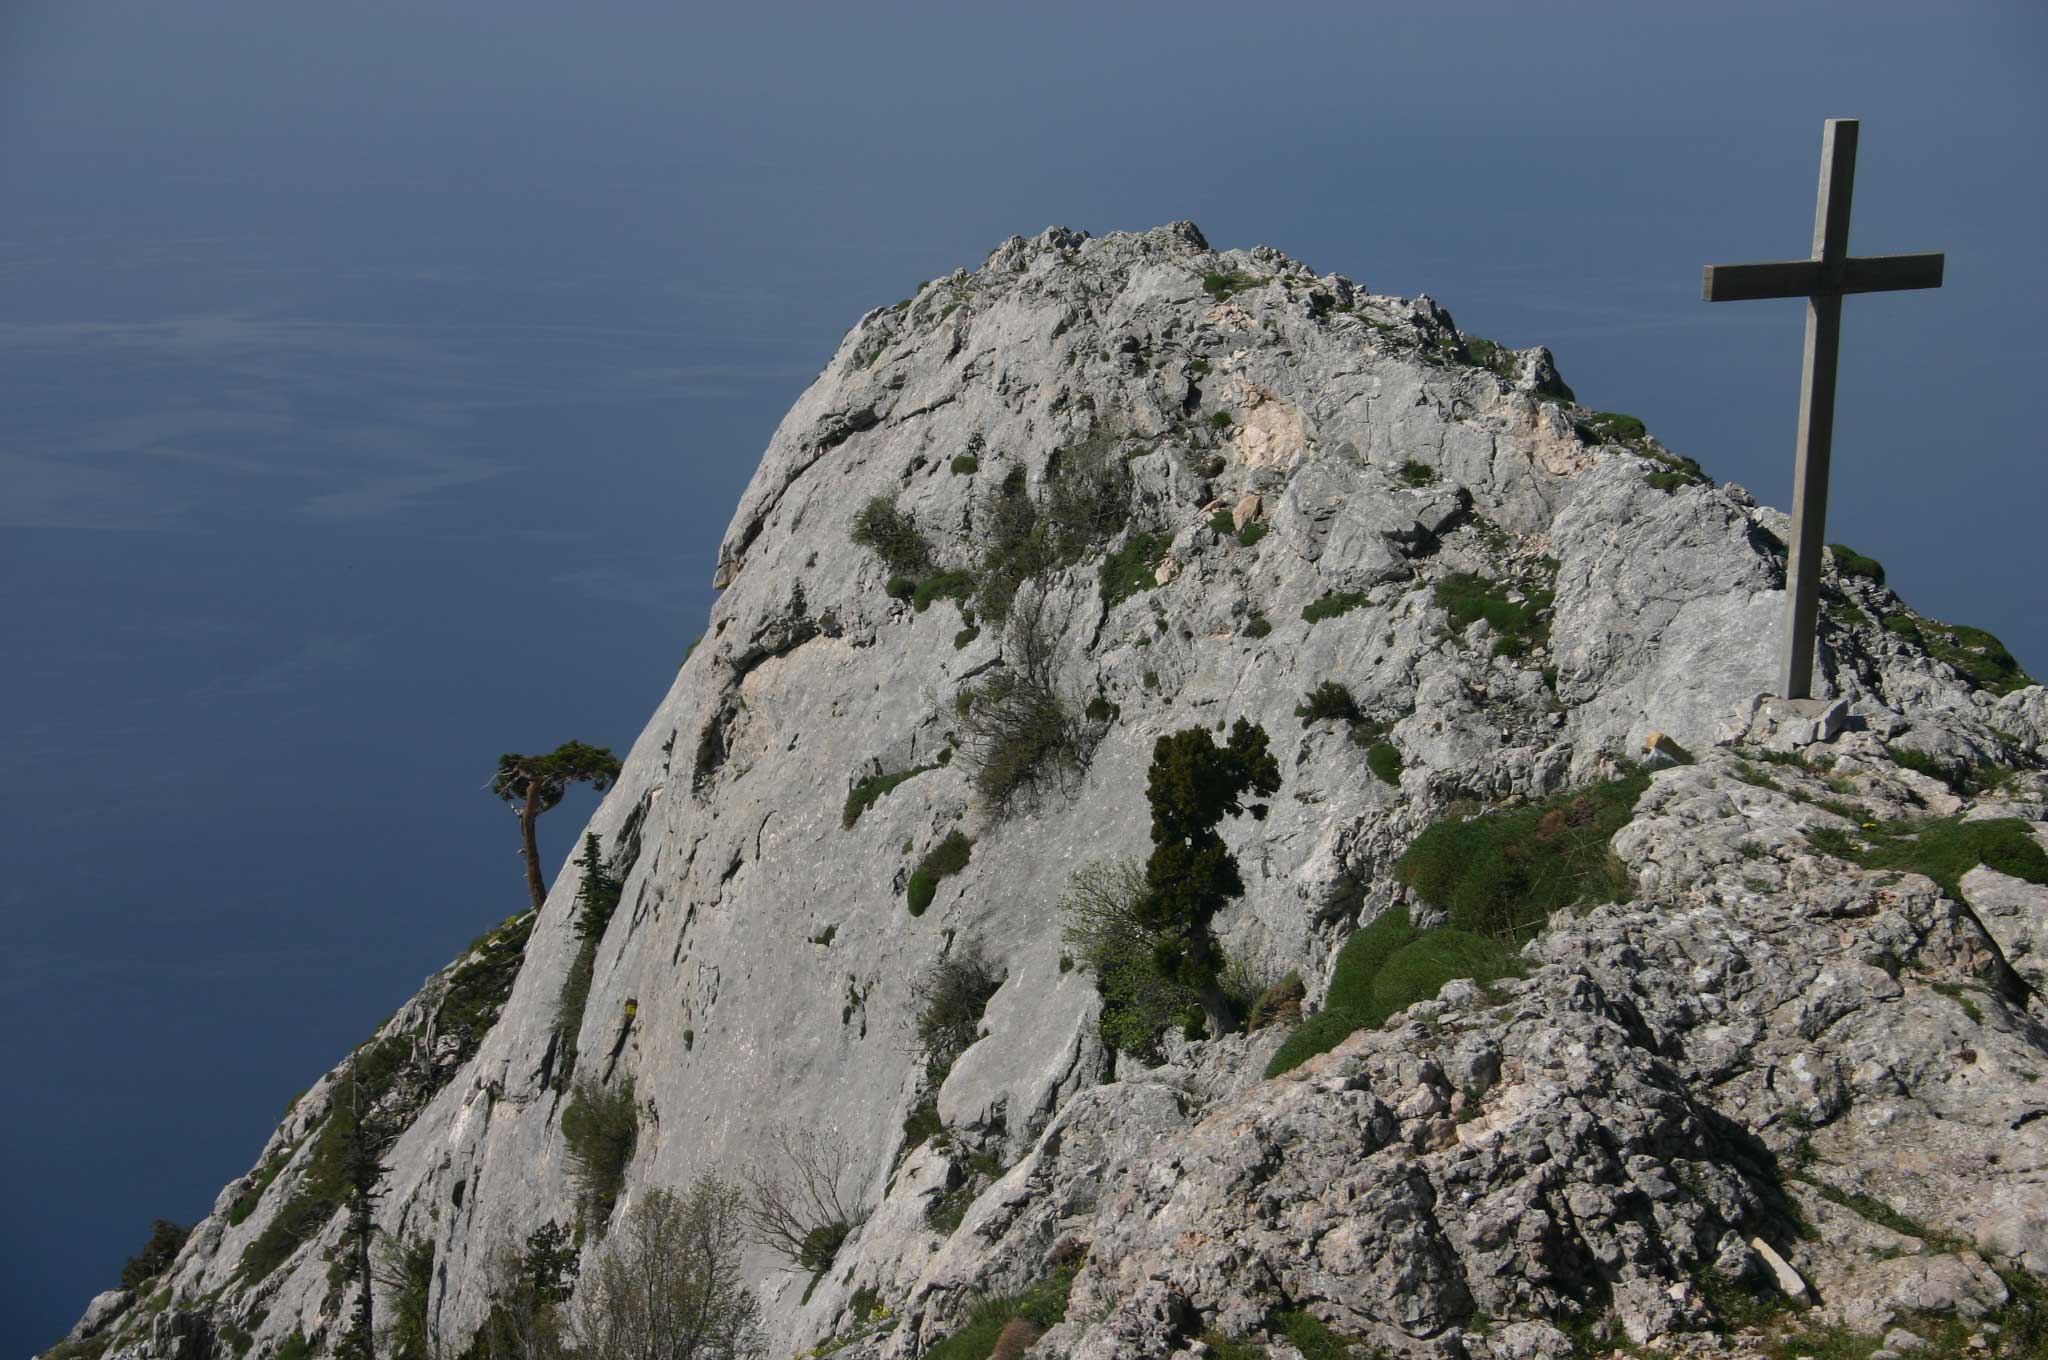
column 1903, row 626
column 1384, row 760
column 867, row 792
column 965, row 636
column 1503, row 873
column 1520, row 624
column 965, row 464
column 165, row 1240
column 1223, row 523
column 1333, row 604
column 1311, row 1336
column 1085, row 503
column 1327, row 700
column 597, row 897
column 1257, row 626
column 1253, row 531
column 600, row 1130
column 942, row 861
column 1101, row 926
column 900, row 588
column 1416, row 474
column 1221, row 286
column 1221, row 420
column 945, row 585
column 1849, row 562
column 1131, row 568
column 1365, row 952
column 892, row 536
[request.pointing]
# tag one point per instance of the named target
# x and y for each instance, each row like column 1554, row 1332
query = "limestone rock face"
column 1760, row 1037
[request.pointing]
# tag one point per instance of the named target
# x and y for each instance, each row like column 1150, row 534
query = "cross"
column 1821, row 280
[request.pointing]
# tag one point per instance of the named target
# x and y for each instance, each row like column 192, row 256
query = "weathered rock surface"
column 1760, row 1040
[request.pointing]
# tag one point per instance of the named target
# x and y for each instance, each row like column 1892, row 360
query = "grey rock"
column 103, row 1309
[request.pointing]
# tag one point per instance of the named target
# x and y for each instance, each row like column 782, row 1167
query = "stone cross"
column 1821, row 280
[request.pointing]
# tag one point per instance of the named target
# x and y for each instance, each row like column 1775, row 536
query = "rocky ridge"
column 1295, row 481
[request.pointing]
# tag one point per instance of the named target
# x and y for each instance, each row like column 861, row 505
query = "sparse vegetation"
column 1103, row 928
column 1253, row 531
column 1942, row 848
column 942, row 861
column 951, row 996
column 944, row 585
column 1042, row 1306
column 1020, row 733
column 597, row 897
column 1849, row 562
column 1333, row 604
column 1612, row 427
column 866, row 792
column 670, row 1282
column 1222, row 286
column 1257, row 626
column 1330, row 700
column 1521, row 624
column 1131, row 569
column 1416, row 474
column 793, row 1201
column 1383, row 758
column 892, row 536
column 600, row 1130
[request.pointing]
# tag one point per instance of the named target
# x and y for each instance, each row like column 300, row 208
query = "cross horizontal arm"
column 1802, row 278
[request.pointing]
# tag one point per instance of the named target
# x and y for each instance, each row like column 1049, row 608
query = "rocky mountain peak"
column 1098, row 490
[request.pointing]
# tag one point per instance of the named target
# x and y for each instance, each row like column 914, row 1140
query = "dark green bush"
column 1327, row 700
column 965, row 636
column 942, row 861
column 600, row 1130
column 965, row 464
column 1253, row 531
column 597, row 898
column 165, row 1240
column 1849, row 562
column 1131, row 568
column 1416, row 474
column 892, row 536
column 1257, row 626
column 900, row 588
column 867, row 792
column 1223, row 522
column 1503, row 873
column 945, row 585
column 1384, row 760
column 1221, row 420
column 1332, row 604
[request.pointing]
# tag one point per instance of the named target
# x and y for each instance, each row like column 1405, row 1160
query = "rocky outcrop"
column 1253, row 480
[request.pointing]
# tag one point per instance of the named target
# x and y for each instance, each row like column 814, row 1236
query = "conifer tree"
column 1193, row 785
column 532, row 785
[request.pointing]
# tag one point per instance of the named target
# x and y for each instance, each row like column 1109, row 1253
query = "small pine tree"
column 532, row 785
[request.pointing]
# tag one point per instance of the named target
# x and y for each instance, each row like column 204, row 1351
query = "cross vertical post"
column 1822, row 280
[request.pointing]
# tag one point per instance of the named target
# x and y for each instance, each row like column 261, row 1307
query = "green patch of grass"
column 1944, row 849
column 1332, row 605
column 481, row 983
column 1502, row 874
column 1612, row 427
column 1416, row 474
column 1385, row 967
column 1222, row 286
column 945, row 585
column 1849, row 562
column 1668, row 482
column 1043, row 1305
column 1257, row 626
column 1221, row 420
column 1223, row 523
column 1975, row 654
column 1384, row 760
column 965, row 636
column 900, row 588
column 942, row 861
column 1227, row 1348
column 1311, row 1336
column 867, row 792
column 1468, row 598
column 1131, row 569
column 1253, row 531
column 1902, row 625
column 965, row 464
